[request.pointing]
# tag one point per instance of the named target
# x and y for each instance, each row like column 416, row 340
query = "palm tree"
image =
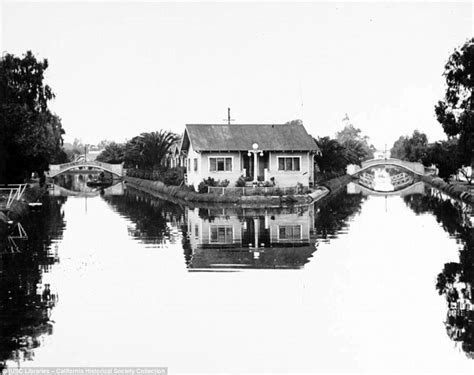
column 149, row 149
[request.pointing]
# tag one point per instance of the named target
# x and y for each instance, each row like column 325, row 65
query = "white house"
column 382, row 154
column 280, row 154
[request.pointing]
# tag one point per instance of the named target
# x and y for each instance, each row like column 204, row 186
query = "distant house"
column 174, row 157
column 382, row 154
column 280, row 154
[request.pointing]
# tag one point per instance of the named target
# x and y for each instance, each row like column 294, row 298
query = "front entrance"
column 262, row 163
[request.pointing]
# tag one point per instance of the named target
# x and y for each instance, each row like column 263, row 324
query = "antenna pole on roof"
column 228, row 117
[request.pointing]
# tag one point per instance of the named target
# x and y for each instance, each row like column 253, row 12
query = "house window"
column 196, row 231
column 195, row 164
column 220, row 164
column 289, row 232
column 288, row 164
column 188, row 165
column 221, row 234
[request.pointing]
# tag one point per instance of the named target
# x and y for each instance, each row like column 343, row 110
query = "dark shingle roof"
column 218, row 137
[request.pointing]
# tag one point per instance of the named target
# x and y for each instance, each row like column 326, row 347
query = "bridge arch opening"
column 58, row 169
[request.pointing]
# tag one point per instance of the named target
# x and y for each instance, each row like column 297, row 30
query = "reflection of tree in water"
column 332, row 215
column 456, row 280
column 149, row 214
column 25, row 303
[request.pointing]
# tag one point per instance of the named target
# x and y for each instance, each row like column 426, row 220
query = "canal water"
column 354, row 283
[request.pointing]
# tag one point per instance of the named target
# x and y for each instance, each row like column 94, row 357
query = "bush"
column 202, row 187
column 240, row 182
column 173, row 177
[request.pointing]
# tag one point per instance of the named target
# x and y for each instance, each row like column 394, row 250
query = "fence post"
column 223, row 190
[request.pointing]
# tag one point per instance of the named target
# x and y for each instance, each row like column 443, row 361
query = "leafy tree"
column 30, row 135
column 356, row 144
column 445, row 156
column 294, row 122
column 455, row 112
column 113, row 153
column 410, row 148
column 334, row 157
column 103, row 144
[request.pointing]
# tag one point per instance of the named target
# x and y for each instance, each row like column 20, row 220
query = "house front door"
column 263, row 163
column 247, row 162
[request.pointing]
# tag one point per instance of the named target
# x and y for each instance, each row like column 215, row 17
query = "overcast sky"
column 119, row 69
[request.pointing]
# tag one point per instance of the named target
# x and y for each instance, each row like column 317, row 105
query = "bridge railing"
column 82, row 163
column 413, row 166
column 55, row 169
column 11, row 193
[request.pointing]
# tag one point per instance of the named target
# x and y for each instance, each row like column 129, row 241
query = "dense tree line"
column 348, row 147
column 146, row 151
column 410, row 148
column 456, row 116
column 30, row 134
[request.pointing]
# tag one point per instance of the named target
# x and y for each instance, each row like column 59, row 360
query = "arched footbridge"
column 415, row 168
column 57, row 169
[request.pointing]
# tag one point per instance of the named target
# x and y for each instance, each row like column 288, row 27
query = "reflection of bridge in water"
column 59, row 191
column 57, row 169
column 416, row 188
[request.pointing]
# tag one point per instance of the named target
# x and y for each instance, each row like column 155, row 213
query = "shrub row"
column 172, row 176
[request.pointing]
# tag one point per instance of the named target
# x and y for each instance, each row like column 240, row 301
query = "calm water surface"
column 355, row 283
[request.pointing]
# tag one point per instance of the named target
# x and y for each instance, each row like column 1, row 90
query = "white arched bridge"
column 415, row 168
column 57, row 169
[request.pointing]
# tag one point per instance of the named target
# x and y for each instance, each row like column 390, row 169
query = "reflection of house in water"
column 250, row 238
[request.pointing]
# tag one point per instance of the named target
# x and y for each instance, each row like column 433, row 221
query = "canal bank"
column 456, row 191
column 183, row 195
column 19, row 208
column 337, row 183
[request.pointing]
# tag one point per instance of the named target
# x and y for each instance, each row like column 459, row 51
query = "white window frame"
column 220, row 157
column 286, row 157
column 290, row 225
column 220, row 226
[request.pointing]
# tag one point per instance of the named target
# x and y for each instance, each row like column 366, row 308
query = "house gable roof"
column 277, row 137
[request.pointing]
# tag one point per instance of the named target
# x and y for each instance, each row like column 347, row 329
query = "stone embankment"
column 19, row 208
column 454, row 190
column 181, row 194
